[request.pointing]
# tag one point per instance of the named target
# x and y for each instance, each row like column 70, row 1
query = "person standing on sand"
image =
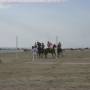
column 34, row 52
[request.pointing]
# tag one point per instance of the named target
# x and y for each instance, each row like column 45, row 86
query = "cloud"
column 4, row 6
column 33, row 1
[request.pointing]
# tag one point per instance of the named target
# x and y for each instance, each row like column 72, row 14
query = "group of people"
column 39, row 49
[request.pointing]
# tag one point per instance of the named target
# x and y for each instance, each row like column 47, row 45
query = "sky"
column 30, row 22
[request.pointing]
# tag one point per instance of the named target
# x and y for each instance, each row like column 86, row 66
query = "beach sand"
column 70, row 72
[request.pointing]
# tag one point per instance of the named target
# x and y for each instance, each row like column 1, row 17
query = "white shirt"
column 34, row 51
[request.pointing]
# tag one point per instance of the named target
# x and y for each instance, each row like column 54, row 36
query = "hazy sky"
column 70, row 21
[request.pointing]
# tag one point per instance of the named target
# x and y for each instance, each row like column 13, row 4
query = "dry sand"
column 70, row 72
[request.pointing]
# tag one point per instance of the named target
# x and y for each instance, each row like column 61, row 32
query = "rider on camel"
column 49, row 44
column 59, row 45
